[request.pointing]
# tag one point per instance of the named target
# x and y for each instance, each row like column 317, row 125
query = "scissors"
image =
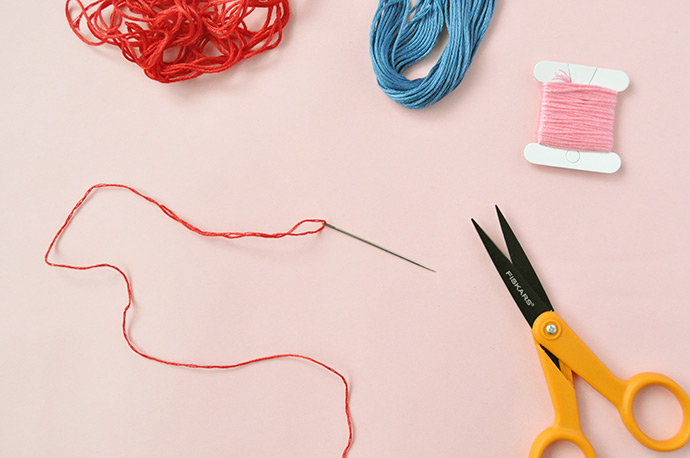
column 561, row 352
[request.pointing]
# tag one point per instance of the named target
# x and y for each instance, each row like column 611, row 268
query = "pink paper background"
column 441, row 365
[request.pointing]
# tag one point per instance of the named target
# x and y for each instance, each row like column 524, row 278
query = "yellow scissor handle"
column 633, row 387
column 555, row 434
column 566, row 425
column 554, row 334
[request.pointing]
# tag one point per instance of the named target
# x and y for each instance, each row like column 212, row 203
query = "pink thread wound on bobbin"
column 576, row 116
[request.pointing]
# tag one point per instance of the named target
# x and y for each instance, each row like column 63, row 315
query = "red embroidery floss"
column 293, row 232
column 176, row 40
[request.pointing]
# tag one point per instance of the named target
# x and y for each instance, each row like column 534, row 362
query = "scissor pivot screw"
column 551, row 329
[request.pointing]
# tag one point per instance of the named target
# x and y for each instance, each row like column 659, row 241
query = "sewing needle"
column 379, row 247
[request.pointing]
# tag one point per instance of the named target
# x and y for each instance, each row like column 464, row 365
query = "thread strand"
column 293, row 232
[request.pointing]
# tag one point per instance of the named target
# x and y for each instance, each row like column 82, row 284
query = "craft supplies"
column 174, row 40
column 576, row 117
column 295, row 231
column 403, row 33
column 303, row 228
column 562, row 353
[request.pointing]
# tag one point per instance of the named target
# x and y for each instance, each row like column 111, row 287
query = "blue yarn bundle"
column 402, row 35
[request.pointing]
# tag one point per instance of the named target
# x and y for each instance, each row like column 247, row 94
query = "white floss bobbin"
column 576, row 117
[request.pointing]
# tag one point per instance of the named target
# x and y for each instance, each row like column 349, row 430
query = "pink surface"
column 440, row 364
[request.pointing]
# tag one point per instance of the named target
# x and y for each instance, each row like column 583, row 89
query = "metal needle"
column 379, row 247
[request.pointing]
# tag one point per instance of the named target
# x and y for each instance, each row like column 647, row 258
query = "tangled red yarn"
column 176, row 40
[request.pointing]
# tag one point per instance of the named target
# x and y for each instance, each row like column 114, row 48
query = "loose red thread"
column 176, row 40
column 293, row 232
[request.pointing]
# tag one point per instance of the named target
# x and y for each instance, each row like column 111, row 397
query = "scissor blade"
column 525, row 297
column 520, row 260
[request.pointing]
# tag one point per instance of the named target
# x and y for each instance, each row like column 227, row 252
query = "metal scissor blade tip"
column 478, row 227
column 505, row 227
column 495, row 253
column 508, row 234
column 482, row 235
column 520, row 259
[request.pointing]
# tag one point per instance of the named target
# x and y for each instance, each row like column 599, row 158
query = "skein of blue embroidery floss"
column 403, row 34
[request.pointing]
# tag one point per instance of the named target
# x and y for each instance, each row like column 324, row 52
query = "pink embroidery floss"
column 576, row 116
